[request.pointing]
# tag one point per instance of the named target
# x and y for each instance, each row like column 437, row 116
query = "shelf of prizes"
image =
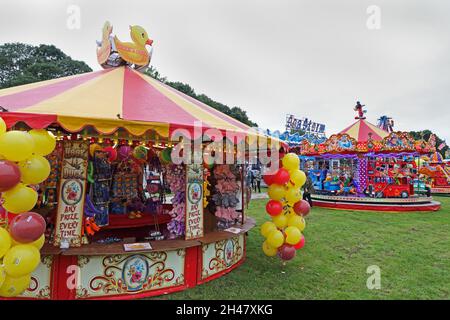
column 92, row 217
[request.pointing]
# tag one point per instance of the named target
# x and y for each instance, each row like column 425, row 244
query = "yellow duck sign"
column 111, row 52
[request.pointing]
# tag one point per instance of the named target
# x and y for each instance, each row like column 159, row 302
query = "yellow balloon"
column 293, row 195
column 2, row 274
column 275, row 239
column 297, row 221
column 19, row 199
column 267, row 227
column 5, row 241
column 276, row 192
column 269, row 250
column 16, row 145
column 34, row 170
column 12, row 287
column 293, row 235
column 288, row 209
column 291, row 161
column 291, row 214
column 39, row 243
column 298, row 177
column 280, row 221
column 3, row 127
column 21, row 260
column 44, row 141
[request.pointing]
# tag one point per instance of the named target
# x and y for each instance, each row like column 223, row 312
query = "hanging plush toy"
column 90, row 227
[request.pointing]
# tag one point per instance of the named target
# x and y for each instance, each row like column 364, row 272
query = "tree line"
column 22, row 63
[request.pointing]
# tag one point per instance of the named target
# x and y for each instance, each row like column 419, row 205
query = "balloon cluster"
column 287, row 209
column 22, row 164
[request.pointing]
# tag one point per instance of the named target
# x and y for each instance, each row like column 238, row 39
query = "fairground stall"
column 364, row 167
column 436, row 173
column 123, row 219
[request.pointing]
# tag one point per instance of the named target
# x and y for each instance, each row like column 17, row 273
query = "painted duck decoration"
column 104, row 46
column 135, row 52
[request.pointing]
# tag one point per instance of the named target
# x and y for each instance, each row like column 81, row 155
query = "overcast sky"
column 311, row 58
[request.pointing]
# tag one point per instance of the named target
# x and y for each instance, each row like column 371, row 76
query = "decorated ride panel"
column 221, row 255
column 40, row 286
column 441, row 191
column 342, row 143
column 129, row 273
column 356, row 199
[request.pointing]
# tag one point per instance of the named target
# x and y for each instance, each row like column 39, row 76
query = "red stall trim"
column 34, row 121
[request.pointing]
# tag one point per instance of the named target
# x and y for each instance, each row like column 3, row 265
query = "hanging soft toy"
column 90, row 173
column 90, row 227
column 124, row 152
column 112, row 153
column 225, row 196
column 175, row 176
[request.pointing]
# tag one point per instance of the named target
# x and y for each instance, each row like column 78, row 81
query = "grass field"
column 411, row 249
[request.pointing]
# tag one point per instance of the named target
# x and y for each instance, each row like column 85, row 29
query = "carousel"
column 367, row 168
column 123, row 219
column 436, row 173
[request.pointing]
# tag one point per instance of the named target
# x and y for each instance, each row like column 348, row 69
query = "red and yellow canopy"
column 361, row 129
column 108, row 100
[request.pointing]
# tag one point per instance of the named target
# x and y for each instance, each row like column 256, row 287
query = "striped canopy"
column 360, row 131
column 108, row 100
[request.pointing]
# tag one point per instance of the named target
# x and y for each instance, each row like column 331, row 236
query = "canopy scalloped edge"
column 108, row 127
column 73, row 124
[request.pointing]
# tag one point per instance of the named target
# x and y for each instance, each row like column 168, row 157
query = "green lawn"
column 412, row 250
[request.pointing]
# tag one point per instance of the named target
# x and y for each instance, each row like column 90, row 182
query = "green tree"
column 234, row 112
column 23, row 63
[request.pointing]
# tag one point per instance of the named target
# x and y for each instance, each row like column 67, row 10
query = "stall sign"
column 194, row 201
column 72, row 190
column 304, row 124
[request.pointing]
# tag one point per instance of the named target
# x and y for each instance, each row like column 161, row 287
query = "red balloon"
column 274, row 207
column 282, row 176
column 112, row 153
column 268, row 179
column 27, row 227
column 287, row 252
column 300, row 244
column 302, row 207
column 5, row 215
column 9, row 175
